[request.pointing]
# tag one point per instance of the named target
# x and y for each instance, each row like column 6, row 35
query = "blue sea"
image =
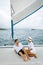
column 22, row 35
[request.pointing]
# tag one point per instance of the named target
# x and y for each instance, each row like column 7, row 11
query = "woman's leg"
column 31, row 54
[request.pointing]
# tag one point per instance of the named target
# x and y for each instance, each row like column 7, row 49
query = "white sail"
column 22, row 8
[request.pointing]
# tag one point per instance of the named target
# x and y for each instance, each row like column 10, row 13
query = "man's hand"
column 15, row 51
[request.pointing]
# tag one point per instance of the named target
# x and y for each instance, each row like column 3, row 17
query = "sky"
column 34, row 21
column 5, row 14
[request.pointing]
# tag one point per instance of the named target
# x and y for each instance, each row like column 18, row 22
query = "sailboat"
column 20, row 9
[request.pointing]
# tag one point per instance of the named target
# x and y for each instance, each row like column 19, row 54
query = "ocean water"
column 22, row 35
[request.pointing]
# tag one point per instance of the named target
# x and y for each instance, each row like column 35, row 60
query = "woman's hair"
column 15, row 40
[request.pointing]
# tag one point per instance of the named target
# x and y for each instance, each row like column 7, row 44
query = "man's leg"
column 23, row 56
column 26, row 53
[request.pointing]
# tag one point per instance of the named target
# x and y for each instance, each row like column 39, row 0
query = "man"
column 20, row 50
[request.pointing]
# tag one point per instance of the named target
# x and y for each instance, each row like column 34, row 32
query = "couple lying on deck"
column 23, row 52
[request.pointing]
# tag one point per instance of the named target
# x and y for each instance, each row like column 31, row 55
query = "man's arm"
column 15, row 51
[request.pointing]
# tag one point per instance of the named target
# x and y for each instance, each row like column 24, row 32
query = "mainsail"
column 20, row 9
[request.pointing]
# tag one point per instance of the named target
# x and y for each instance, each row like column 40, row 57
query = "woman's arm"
column 29, row 48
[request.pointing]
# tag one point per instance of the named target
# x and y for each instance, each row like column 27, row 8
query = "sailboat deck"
column 9, row 57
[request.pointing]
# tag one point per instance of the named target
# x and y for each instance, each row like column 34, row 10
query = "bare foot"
column 25, row 58
column 35, row 56
column 28, row 58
